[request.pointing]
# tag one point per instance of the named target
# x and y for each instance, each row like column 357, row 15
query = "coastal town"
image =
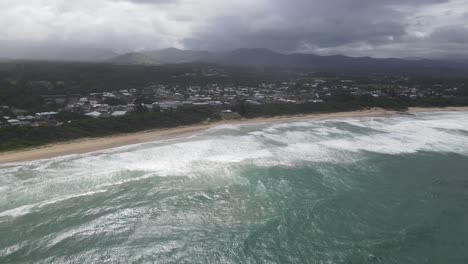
column 168, row 97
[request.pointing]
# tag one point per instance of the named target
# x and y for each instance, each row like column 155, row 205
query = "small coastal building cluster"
column 164, row 97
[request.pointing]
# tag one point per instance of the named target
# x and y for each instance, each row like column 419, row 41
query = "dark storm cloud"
column 293, row 25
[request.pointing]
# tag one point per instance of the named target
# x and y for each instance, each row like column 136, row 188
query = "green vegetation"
column 22, row 137
column 114, row 101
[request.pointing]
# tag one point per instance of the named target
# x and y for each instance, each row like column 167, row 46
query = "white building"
column 46, row 115
column 166, row 105
column 94, row 114
column 14, row 122
column 118, row 113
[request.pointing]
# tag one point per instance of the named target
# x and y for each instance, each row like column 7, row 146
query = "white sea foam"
column 225, row 127
column 26, row 209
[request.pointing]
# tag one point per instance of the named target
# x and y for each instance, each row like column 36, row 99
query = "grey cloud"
column 152, row 2
column 454, row 34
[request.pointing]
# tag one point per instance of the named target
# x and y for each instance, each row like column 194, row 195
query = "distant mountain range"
column 247, row 57
column 340, row 63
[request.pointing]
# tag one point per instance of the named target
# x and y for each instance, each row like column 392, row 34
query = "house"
column 118, row 113
column 253, row 102
column 316, row 101
column 213, row 103
column 14, row 122
column 167, row 105
column 108, row 95
column 46, row 115
column 94, row 114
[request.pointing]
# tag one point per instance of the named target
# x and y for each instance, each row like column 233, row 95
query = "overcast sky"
column 379, row 28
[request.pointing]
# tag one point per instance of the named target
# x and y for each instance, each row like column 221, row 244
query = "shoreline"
column 88, row 145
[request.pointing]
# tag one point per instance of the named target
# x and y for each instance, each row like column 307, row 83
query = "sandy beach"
column 94, row 144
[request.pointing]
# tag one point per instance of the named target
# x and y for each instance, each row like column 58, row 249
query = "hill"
column 134, row 58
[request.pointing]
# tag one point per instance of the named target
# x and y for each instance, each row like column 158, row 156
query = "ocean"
column 351, row 190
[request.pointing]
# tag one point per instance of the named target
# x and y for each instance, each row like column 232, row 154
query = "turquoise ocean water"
column 368, row 190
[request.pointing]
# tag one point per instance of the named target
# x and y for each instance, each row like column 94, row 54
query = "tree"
column 114, row 101
column 144, row 100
